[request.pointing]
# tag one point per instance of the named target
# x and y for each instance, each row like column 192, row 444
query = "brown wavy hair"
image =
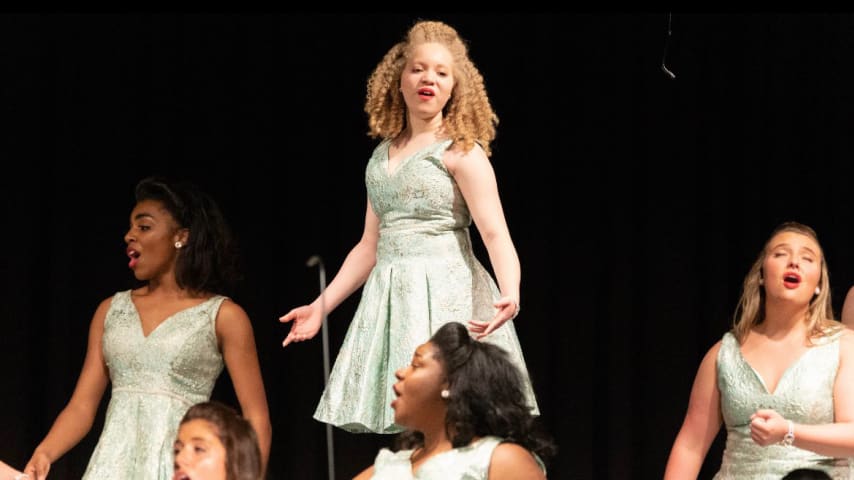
column 467, row 117
column 243, row 454
column 751, row 308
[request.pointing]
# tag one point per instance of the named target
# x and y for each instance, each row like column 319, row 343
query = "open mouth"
column 791, row 280
column 134, row 257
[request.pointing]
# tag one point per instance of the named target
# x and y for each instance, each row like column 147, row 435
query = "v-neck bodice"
column 783, row 377
column 155, row 379
column 435, row 148
column 418, row 194
column 804, row 394
column 182, row 313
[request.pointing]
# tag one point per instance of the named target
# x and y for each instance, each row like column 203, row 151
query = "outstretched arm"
column 701, row 425
column 476, row 179
column 237, row 341
column 76, row 419
column 354, row 272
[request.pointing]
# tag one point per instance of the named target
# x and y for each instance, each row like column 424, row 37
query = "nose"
column 399, row 373
column 129, row 236
column 179, row 459
column 793, row 262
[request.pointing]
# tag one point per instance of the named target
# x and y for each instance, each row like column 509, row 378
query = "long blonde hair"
column 467, row 117
column 751, row 308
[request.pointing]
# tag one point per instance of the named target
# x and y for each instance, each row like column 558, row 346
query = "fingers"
column 482, row 329
column 757, row 432
column 296, row 313
column 35, row 473
column 295, row 336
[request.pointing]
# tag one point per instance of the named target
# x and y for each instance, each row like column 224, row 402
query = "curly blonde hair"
column 467, row 117
column 751, row 308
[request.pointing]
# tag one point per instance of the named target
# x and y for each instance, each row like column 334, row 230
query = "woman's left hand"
column 508, row 308
column 767, row 427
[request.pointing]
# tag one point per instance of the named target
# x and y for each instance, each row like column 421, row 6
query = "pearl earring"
column 445, row 393
column 178, row 244
column 761, row 281
column 817, row 290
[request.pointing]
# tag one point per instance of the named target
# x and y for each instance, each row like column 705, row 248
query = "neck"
column 783, row 319
column 435, row 441
column 166, row 287
column 418, row 126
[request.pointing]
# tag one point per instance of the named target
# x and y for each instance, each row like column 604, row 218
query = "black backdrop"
column 637, row 202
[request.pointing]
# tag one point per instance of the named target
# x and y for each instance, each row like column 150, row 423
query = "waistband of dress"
column 155, row 391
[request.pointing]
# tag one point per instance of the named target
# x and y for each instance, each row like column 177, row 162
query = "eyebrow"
column 143, row 215
column 428, row 62
column 786, row 245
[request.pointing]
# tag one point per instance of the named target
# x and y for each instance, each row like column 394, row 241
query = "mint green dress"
column 154, row 379
column 804, row 395
column 465, row 463
column 425, row 276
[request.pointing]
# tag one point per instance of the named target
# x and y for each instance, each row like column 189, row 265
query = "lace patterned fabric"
column 155, row 379
column 804, row 395
column 465, row 463
column 426, row 275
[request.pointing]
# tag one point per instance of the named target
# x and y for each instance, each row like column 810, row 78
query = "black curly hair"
column 487, row 396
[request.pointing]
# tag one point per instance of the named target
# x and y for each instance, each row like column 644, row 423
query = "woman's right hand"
column 38, row 467
column 306, row 322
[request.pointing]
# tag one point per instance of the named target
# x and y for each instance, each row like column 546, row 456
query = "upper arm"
column 843, row 386
column 94, row 376
column 476, row 179
column 848, row 309
column 372, row 226
column 513, row 461
column 701, row 424
column 237, row 341
column 703, row 418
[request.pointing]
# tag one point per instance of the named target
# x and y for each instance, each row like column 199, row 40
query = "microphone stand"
column 312, row 261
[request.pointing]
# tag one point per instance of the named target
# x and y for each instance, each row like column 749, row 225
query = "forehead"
column 154, row 208
column 198, row 428
column 794, row 240
column 426, row 351
column 432, row 52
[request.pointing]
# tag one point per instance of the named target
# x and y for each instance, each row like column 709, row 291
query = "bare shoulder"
column 709, row 364
column 101, row 311
column 511, row 460
column 231, row 309
column 712, row 354
column 105, row 304
column 455, row 158
column 232, row 318
column 846, row 339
